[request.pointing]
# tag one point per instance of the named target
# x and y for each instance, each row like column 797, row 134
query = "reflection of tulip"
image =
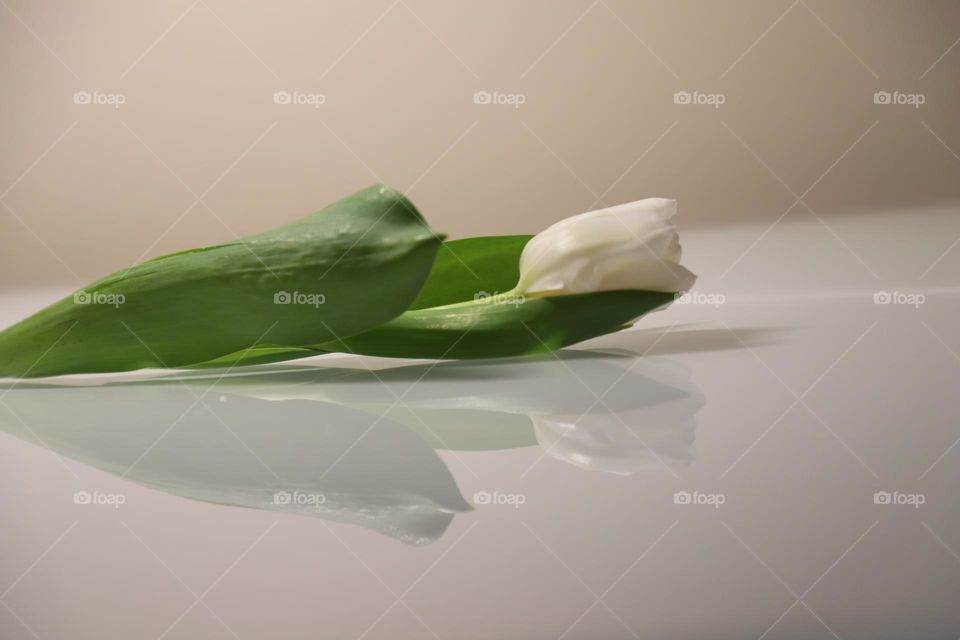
column 646, row 417
column 301, row 440
column 629, row 246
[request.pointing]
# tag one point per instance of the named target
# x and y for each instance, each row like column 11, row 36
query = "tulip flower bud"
column 629, row 246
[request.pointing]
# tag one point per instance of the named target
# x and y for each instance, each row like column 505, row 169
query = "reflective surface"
column 358, row 446
column 780, row 463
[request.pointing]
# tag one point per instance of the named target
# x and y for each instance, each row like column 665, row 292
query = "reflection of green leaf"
column 465, row 429
column 481, row 329
column 380, row 476
column 368, row 255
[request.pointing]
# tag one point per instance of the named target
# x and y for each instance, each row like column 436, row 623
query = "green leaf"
column 472, row 267
column 502, row 329
column 346, row 269
column 463, row 269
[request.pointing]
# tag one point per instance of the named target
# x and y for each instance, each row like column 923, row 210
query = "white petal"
column 629, row 246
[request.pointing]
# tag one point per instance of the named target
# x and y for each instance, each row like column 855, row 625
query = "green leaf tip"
column 351, row 266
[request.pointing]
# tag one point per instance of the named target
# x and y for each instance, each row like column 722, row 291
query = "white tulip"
column 629, row 246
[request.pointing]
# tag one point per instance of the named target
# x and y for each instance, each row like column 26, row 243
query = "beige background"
column 199, row 152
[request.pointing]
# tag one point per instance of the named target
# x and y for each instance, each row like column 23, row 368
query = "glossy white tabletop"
column 781, row 462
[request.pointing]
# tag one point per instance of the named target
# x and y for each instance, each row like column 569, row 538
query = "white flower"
column 629, row 246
